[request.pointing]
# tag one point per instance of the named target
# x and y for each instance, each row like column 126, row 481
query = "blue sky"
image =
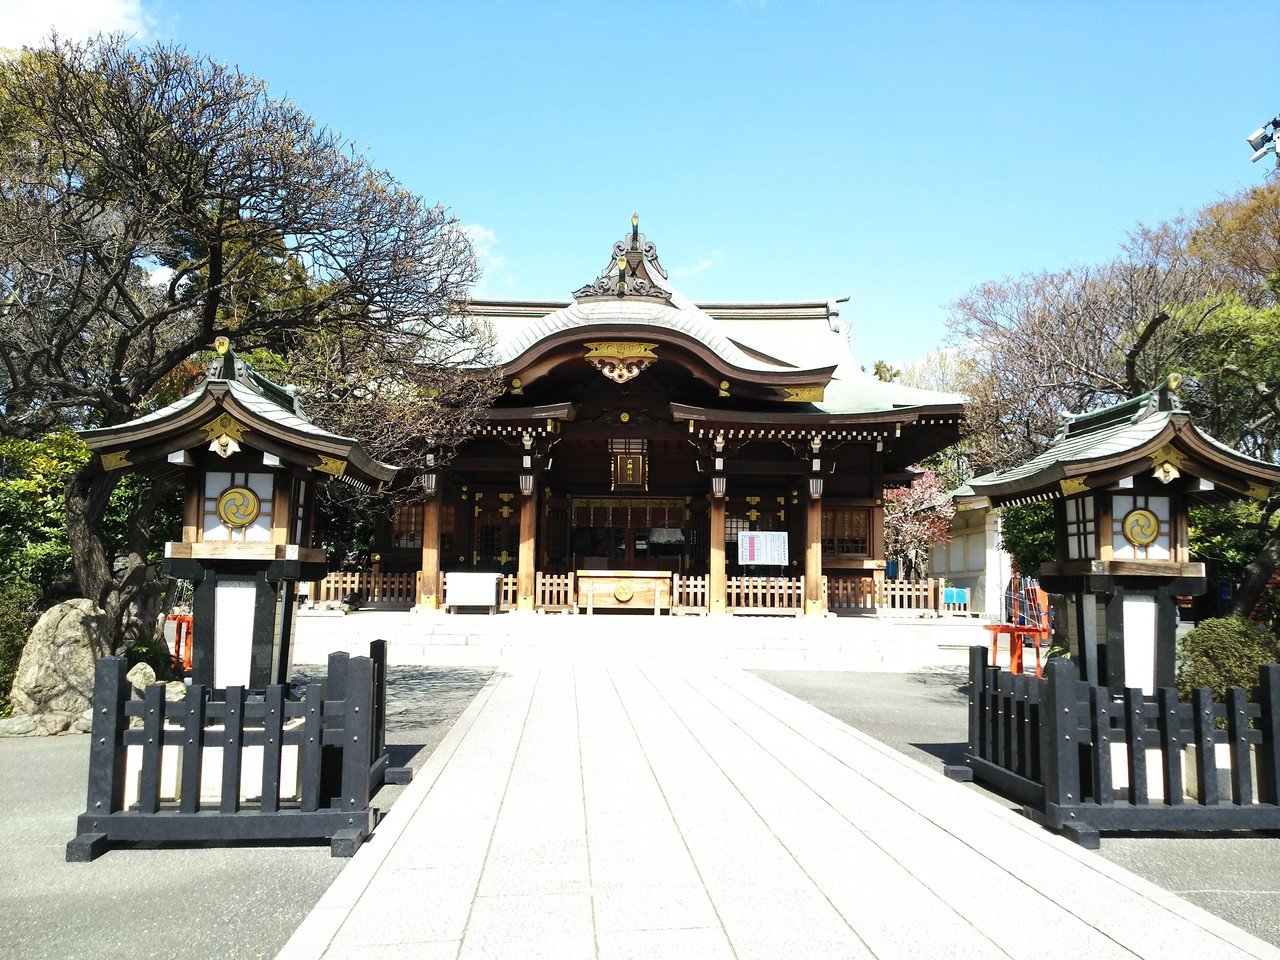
column 901, row 153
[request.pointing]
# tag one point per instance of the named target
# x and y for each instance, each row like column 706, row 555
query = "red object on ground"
column 1027, row 608
column 181, row 640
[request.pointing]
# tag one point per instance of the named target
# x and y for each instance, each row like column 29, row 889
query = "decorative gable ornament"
column 620, row 361
column 631, row 273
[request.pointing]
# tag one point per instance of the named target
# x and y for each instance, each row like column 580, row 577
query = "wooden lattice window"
column 846, row 532
column 1080, row 524
column 406, row 525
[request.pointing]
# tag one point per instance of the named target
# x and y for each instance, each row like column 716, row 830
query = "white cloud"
column 711, row 261
column 29, row 22
column 494, row 270
column 482, row 239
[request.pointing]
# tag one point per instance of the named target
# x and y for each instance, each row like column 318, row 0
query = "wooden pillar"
column 429, row 578
column 528, row 562
column 813, row 558
column 718, row 582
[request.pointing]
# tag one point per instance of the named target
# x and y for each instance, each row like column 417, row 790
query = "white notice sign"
column 765, row 548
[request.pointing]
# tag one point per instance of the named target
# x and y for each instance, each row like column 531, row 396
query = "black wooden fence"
column 335, row 733
column 1049, row 744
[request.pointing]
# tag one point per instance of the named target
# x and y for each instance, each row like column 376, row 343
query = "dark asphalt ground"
column 924, row 715
column 189, row 902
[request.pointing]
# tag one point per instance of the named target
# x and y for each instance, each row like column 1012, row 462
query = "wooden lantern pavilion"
column 1121, row 480
column 650, row 452
column 249, row 460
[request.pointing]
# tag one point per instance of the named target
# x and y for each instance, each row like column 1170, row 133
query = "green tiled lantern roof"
column 1095, row 449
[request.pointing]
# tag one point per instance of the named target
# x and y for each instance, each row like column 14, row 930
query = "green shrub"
column 1026, row 534
column 16, row 618
column 1224, row 653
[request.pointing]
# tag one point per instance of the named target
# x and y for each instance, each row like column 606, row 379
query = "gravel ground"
column 924, row 715
column 179, row 902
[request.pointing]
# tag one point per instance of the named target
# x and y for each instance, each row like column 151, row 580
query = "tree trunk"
column 1256, row 577
column 113, row 583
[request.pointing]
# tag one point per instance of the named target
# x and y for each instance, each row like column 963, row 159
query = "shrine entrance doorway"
column 631, row 533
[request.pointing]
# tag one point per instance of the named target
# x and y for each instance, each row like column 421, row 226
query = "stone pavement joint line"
column 613, row 811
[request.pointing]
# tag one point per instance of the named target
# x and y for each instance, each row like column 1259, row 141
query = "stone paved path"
column 623, row 811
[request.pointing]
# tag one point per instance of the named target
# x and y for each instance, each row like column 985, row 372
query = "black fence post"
column 977, row 674
column 1059, row 736
column 1135, row 732
column 1202, row 726
column 1237, row 706
column 152, row 748
column 106, row 759
column 311, row 750
column 357, row 753
column 1100, row 719
column 1170, row 745
column 192, row 748
column 378, row 656
column 963, row 772
column 272, row 742
column 232, row 749
column 1269, row 721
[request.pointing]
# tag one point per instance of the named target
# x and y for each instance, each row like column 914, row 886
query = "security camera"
column 1258, row 138
column 1259, row 154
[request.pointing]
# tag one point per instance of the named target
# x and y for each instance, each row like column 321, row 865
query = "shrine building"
column 650, row 452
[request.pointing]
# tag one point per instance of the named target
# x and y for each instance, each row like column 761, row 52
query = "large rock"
column 54, row 682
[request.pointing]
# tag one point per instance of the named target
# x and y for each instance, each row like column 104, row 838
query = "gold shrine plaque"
column 1141, row 527
column 623, row 592
column 238, row 507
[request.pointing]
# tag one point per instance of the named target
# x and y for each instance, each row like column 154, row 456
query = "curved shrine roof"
column 791, row 342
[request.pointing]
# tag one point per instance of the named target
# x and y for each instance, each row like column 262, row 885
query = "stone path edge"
column 313, row 936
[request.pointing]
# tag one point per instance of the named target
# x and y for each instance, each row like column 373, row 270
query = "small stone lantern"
column 1121, row 480
column 249, row 460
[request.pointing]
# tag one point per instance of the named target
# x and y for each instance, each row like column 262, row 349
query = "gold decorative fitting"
column 620, row 360
column 1074, row 485
column 805, row 394
column 1168, row 455
column 516, row 388
column 115, row 461
column 1141, row 527
column 1258, row 491
column 1174, row 381
column 724, row 388
column 222, row 345
column 224, row 435
column 624, row 417
column 225, row 424
column 238, row 507
column 331, row 466
column 1166, row 472
column 623, row 592
column 506, row 497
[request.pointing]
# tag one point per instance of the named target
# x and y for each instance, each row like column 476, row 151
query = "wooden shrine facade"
column 641, row 432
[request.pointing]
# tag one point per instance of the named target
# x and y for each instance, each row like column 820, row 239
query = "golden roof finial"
column 222, row 345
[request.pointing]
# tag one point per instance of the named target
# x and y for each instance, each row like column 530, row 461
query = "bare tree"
column 151, row 200
column 1075, row 339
